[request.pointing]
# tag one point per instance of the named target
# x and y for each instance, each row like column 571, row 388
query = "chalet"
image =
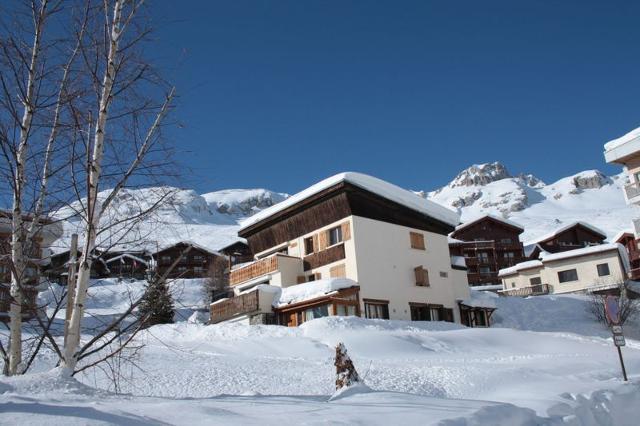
column 569, row 237
column 630, row 243
column 237, row 252
column 351, row 244
column 35, row 260
column 488, row 244
column 589, row 269
column 195, row 261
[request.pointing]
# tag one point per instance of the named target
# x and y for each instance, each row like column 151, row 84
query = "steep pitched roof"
column 558, row 231
column 369, row 183
column 490, row 217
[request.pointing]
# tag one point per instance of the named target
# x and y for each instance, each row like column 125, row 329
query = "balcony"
column 239, row 305
column 288, row 268
column 632, row 191
column 534, row 290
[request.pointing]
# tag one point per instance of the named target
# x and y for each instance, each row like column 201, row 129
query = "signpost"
column 612, row 312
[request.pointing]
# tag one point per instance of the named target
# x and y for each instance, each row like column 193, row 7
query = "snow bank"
column 369, row 183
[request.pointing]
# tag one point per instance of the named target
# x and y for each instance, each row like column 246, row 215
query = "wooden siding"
column 324, row 257
column 238, row 305
column 330, row 206
column 254, row 270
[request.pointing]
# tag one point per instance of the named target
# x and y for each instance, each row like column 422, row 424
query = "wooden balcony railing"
column 254, row 270
column 534, row 290
column 324, row 257
column 238, row 305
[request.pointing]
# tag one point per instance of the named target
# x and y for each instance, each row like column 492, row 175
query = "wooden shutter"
column 316, row 245
column 322, row 240
column 301, row 279
column 420, row 278
column 346, row 231
column 338, row 271
column 426, row 276
column 417, row 240
column 318, row 276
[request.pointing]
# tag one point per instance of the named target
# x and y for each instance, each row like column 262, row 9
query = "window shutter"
column 346, row 231
column 301, row 279
column 322, row 240
column 425, row 273
column 417, row 240
column 338, row 271
column 316, row 245
column 318, row 276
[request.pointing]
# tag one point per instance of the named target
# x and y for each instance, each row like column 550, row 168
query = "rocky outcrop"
column 481, row 174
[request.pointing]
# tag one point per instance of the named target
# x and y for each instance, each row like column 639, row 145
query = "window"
column 317, row 312
column 308, row 245
column 198, row 269
column 376, row 310
column 335, row 235
column 637, row 177
column 198, row 258
column 509, row 255
column 422, row 276
column 568, row 275
column 506, row 241
column 535, row 281
column 484, row 270
column 513, row 285
column 483, row 257
column 417, row 240
column 165, row 259
column 419, row 312
column 444, row 274
column 603, row 270
column 345, row 310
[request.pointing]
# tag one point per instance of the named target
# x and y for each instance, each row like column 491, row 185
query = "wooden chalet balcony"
column 238, row 305
column 634, row 274
column 254, row 270
column 534, row 290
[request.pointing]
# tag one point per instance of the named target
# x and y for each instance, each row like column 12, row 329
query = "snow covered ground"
column 545, row 361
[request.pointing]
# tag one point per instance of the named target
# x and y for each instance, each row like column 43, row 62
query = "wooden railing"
column 534, row 290
column 253, row 270
column 324, row 257
column 238, row 305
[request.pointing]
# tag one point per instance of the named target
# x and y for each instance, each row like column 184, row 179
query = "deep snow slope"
column 588, row 196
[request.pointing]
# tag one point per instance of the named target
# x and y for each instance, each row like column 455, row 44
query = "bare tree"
column 216, row 284
column 629, row 308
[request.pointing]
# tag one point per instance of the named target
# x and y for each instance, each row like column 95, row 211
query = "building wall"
column 385, row 268
column 585, row 266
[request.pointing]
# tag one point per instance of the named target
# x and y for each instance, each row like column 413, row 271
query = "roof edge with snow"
column 371, row 184
column 488, row 216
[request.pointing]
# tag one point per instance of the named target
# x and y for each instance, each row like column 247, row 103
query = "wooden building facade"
column 630, row 243
column 488, row 244
column 194, row 262
column 570, row 237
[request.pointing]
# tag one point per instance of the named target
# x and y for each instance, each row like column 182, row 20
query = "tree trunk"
column 94, row 210
column 18, row 233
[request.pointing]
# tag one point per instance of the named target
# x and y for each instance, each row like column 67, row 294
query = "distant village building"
column 596, row 268
column 572, row 236
column 35, row 260
column 487, row 244
column 350, row 245
column 194, row 263
column 238, row 252
column 630, row 243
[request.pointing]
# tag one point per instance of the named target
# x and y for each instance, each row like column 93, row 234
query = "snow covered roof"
column 528, row 250
column 488, row 287
column 560, row 230
column 550, row 257
column 193, row 244
column 479, row 303
column 308, row 291
column 600, row 248
column 489, row 216
column 519, row 267
column 130, row 256
column 458, row 261
column 623, row 146
column 621, row 234
column 377, row 186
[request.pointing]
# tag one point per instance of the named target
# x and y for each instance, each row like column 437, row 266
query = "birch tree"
column 116, row 76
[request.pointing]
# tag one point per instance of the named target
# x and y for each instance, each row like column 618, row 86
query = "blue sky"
column 280, row 93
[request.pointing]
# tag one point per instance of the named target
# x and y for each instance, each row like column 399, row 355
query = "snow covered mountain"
column 211, row 220
column 588, row 196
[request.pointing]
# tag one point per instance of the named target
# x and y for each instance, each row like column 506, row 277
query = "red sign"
column 612, row 309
